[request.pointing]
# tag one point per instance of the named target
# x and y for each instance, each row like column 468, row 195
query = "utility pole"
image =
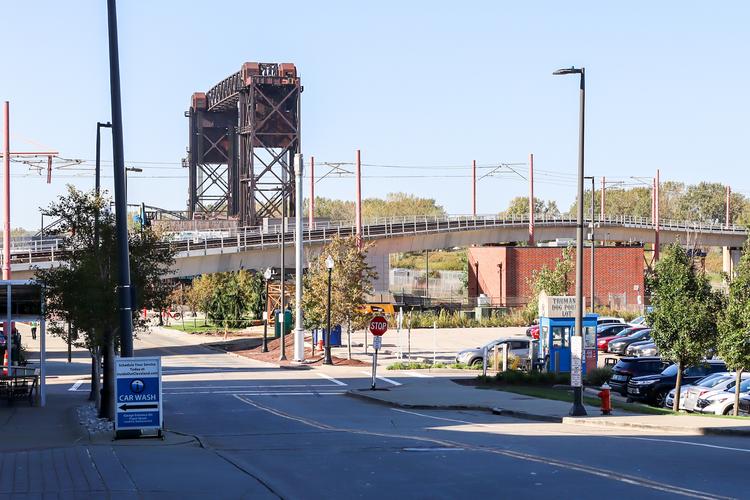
column 474, row 188
column 531, row 199
column 358, row 202
column 311, row 202
column 299, row 334
column 656, row 216
column 593, row 244
column 121, row 209
column 601, row 208
column 728, row 215
column 6, row 204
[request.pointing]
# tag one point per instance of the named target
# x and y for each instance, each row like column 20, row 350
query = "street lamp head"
column 268, row 274
column 329, row 262
column 568, row 71
column 134, row 169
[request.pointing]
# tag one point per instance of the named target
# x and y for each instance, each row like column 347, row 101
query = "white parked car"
column 721, row 402
column 698, row 387
column 608, row 320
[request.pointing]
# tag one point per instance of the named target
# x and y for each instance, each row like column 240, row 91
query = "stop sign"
column 378, row 325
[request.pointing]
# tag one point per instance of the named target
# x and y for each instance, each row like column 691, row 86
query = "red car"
column 602, row 343
column 533, row 332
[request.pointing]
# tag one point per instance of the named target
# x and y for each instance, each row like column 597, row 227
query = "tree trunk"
column 349, row 339
column 107, row 408
column 96, row 377
column 737, row 383
column 94, row 393
column 677, row 387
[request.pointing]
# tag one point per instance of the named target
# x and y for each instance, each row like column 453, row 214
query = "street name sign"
column 138, row 399
column 378, row 325
column 576, row 354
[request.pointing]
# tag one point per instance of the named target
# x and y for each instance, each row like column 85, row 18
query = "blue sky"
column 414, row 84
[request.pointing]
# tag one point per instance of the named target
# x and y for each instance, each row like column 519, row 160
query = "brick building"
column 502, row 274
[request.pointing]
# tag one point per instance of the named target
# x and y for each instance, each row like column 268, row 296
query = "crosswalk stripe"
column 75, row 386
column 337, row 382
column 393, row 382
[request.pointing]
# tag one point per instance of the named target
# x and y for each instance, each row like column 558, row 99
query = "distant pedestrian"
column 33, row 330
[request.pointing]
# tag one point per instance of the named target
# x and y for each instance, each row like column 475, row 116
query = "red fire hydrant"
column 606, row 398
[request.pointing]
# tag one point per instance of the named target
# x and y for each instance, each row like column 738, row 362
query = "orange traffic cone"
column 5, row 363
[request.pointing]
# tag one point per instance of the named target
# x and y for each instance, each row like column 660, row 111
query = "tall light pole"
column 121, row 204
column 97, row 175
column 299, row 333
column 593, row 245
column 328, row 360
column 267, row 275
column 575, row 378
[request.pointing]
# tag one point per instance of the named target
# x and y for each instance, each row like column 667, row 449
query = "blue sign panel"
column 138, row 393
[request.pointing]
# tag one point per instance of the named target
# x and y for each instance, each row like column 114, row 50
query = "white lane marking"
column 393, row 382
column 433, row 449
column 433, row 417
column 337, row 382
column 75, row 386
column 677, row 441
column 168, row 386
column 417, row 374
column 247, row 393
column 598, row 472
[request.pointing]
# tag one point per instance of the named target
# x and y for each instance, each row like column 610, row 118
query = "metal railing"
column 250, row 238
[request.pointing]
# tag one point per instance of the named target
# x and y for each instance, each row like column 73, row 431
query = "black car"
column 653, row 389
column 744, row 408
column 609, row 329
column 620, row 344
column 627, row 368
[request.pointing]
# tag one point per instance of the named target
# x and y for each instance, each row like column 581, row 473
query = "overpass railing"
column 244, row 238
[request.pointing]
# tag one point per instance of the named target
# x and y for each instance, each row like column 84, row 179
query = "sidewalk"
column 442, row 393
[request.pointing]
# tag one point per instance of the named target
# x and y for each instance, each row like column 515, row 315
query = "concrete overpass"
column 257, row 248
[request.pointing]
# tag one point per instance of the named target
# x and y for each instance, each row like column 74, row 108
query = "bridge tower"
column 244, row 133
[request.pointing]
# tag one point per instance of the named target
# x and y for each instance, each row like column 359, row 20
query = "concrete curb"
column 353, row 393
column 726, row 431
column 526, row 416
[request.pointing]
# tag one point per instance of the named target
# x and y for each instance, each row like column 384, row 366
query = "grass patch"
column 565, row 395
column 413, row 365
column 200, row 327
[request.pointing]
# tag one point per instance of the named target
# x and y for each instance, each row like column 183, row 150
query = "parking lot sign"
column 138, row 398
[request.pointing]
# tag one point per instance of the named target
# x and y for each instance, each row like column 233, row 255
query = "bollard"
column 496, row 358
column 484, row 362
column 505, row 357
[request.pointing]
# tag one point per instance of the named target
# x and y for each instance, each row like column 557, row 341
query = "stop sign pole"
column 378, row 326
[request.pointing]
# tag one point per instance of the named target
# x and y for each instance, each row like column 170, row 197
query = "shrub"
column 516, row 377
column 598, row 376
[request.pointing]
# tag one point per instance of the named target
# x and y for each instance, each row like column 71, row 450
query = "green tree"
column 555, row 281
column 734, row 324
column 393, row 205
column 351, row 284
column 519, row 207
column 706, row 202
column 84, row 291
column 685, row 310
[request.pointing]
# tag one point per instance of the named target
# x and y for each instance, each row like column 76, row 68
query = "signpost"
column 378, row 326
column 138, row 396
column 576, row 354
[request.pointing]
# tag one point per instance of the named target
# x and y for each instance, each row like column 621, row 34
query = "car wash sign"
column 138, row 394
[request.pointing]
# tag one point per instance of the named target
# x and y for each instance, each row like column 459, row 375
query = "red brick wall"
column 618, row 280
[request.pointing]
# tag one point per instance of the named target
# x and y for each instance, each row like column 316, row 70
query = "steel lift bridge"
column 244, row 133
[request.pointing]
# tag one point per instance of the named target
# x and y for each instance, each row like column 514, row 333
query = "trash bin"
column 318, row 333
column 288, row 324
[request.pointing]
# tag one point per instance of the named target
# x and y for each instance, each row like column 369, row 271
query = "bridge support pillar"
column 731, row 260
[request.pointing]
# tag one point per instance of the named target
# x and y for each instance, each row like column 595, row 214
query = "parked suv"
column 627, row 368
column 619, row 345
column 653, row 389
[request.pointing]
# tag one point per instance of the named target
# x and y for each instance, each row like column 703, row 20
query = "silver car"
column 518, row 347
column 642, row 349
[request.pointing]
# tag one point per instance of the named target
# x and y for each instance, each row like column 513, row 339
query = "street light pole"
column 578, row 409
column 97, row 176
column 328, row 360
column 267, row 275
column 121, row 209
column 593, row 246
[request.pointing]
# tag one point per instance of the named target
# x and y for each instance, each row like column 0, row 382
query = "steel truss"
column 244, row 133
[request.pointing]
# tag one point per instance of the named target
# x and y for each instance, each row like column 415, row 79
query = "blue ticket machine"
column 554, row 342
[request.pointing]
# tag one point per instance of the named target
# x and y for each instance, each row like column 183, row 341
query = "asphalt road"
column 251, row 430
column 302, row 437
